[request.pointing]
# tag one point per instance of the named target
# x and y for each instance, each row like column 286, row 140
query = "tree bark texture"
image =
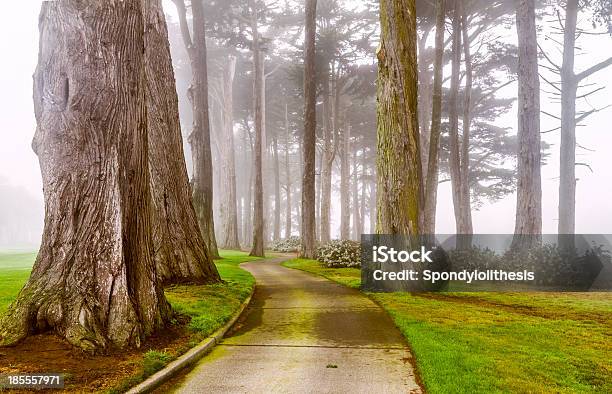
column 258, row 204
column 288, row 182
column 327, row 160
column 355, row 197
column 529, row 191
column 431, row 180
column 202, row 182
column 308, row 249
column 466, row 206
column 230, row 239
column 277, row 192
column 181, row 255
column 400, row 190
column 94, row 281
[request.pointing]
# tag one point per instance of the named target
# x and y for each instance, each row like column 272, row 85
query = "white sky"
column 19, row 165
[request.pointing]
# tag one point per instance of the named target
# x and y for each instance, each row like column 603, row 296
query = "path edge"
column 191, row 357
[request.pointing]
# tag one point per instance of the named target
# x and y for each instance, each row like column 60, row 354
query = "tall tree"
column 400, row 189
column 230, row 234
column 345, row 197
column 431, row 180
column 529, row 188
column 181, row 254
column 308, row 249
column 94, row 281
column 258, row 77
column 202, row 182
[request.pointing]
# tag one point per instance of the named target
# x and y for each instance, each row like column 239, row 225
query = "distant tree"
column 400, row 189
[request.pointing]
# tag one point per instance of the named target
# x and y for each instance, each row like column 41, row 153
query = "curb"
column 189, row 358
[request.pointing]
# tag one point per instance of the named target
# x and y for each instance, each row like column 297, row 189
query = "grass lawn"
column 499, row 342
column 203, row 309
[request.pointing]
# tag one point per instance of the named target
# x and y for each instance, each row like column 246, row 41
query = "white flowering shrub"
column 291, row 244
column 340, row 254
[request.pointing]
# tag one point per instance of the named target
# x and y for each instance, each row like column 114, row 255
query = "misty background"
column 21, row 200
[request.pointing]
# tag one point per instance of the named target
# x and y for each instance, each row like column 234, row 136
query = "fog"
column 21, row 201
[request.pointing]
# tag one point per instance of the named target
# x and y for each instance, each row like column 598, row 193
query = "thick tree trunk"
column 288, row 219
column 454, row 157
column 94, row 281
column 466, row 206
column 248, row 195
column 180, row 252
column 202, row 182
column 345, row 196
column 569, row 86
column 529, row 191
column 400, row 189
column 431, row 191
column 258, row 206
column 308, row 249
column 230, row 222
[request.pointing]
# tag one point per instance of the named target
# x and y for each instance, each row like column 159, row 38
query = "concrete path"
column 305, row 334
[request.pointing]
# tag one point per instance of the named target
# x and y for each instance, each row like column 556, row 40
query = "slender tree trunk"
column 327, row 161
column 362, row 202
column 248, row 196
column 258, row 207
column 569, row 86
column 454, row 158
column 180, row 252
column 466, row 206
column 277, row 193
column 529, row 191
column 431, row 191
column 355, row 197
column 94, row 281
column 202, row 182
column 308, row 249
column 345, row 196
column 425, row 97
column 372, row 205
column 400, row 189
column 230, row 240
column 288, row 182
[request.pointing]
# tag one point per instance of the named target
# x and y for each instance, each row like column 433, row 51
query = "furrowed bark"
column 400, row 190
column 180, row 252
column 94, row 281
column 308, row 249
column 529, row 190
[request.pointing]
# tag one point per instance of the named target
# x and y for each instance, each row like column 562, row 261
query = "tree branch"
column 591, row 70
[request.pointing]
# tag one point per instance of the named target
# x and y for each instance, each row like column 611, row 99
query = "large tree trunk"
column 431, row 191
column 569, row 86
column 308, row 249
column 454, row 157
column 94, row 281
column 230, row 230
column 466, row 206
column 258, row 206
column 400, row 190
column 345, row 196
column 529, row 191
column 202, row 182
column 327, row 161
column 248, row 195
column 180, row 252
column 288, row 220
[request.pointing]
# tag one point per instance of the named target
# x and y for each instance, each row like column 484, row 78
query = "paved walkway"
column 305, row 334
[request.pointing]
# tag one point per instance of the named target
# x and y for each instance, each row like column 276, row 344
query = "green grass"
column 15, row 269
column 500, row 342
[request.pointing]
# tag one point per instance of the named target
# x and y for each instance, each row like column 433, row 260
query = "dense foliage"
column 340, row 253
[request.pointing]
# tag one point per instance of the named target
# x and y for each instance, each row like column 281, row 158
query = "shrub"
column 340, row 253
column 291, row 244
column 154, row 361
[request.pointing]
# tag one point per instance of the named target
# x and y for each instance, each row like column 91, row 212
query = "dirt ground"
column 47, row 353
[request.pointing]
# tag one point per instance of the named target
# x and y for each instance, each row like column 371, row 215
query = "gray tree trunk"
column 308, row 249
column 529, row 190
column 94, row 281
column 288, row 218
column 345, row 196
column 466, row 206
column 431, row 191
column 277, row 192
